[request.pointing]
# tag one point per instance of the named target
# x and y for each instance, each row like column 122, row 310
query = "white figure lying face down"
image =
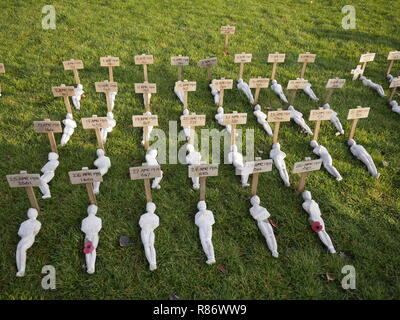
column 193, row 158
column 149, row 221
column 261, row 215
column 317, row 224
column 204, row 220
column 236, row 158
column 277, row 88
column 309, row 91
column 243, row 86
column 69, row 128
column 334, row 119
column 323, row 153
column 48, row 174
column 378, row 88
column 76, row 99
column 27, row 232
column 278, row 157
column 102, row 163
column 262, row 119
column 298, row 119
column 361, row 154
column 91, row 226
column 151, row 160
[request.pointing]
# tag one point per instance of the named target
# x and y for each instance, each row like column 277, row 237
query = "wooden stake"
column 302, row 182
column 328, row 95
column 145, row 173
column 390, row 67
column 90, row 192
column 110, row 74
column 147, row 189
column 180, row 68
column 74, row 65
column 76, row 76
column 145, row 72
column 392, row 94
column 254, row 183
column 221, row 98
column 241, row 67
column 203, row 188
column 293, row 97
column 49, row 127
column 99, row 139
column 147, row 102
column 88, row 178
column 274, row 67
column 145, row 121
column 226, row 43
column 146, row 141
column 233, row 135
column 303, row 70
column 96, row 123
column 304, row 168
column 353, row 128
column 31, row 195
column 276, row 132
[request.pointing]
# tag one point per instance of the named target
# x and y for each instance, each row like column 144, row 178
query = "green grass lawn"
column 361, row 213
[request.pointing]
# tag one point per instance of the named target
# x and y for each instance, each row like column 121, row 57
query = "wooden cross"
column 319, row 115
column 227, row 30
column 180, row 62
column 2, row 70
column 107, row 87
column 242, row 58
column 392, row 57
column 49, row 127
column 203, row 171
column 144, row 60
column 331, row 85
column 185, row 86
column 221, row 85
column 65, row 92
column 109, row 62
column 208, row 63
column 96, row 123
column 258, row 83
column 275, row 58
column 74, row 65
column 305, row 58
column 278, row 117
column 355, row 115
column 365, row 58
column 146, row 88
column 304, row 168
column 145, row 173
column 192, row 121
column 295, row 85
column 27, row 181
column 394, row 85
column 255, row 168
column 145, row 121
column 234, row 119
column 87, row 177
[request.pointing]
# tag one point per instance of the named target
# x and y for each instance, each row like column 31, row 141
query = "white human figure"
column 112, row 99
column 243, row 86
column 262, row 119
column 390, row 78
column 180, row 95
column 102, row 163
column 111, row 124
column 335, row 120
column 148, row 222
column 186, row 130
column 261, row 215
column 236, row 159
column 378, row 88
column 309, row 91
column 193, row 157
column 361, row 154
column 204, row 220
column 312, row 208
column 91, row 226
column 395, row 106
column 220, row 118
column 76, row 99
column 215, row 93
column 144, row 98
column 149, row 129
column 297, row 117
column 27, row 232
column 48, row 174
column 277, row 88
column 69, row 128
column 151, row 160
column 323, row 153
column 279, row 161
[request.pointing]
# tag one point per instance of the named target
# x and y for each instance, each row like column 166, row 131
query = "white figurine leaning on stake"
column 148, row 222
column 69, row 128
column 204, row 220
column 215, row 93
column 361, row 154
column 323, row 153
column 335, row 120
column 149, row 129
column 378, row 88
column 277, row 88
column 395, row 106
column 91, row 226
column 243, row 86
column 297, row 117
column 236, row 159
column 193, row 157
column 262, row 119
column 151, row 160
column 48, row 174
column 76, row 99
column 27, row 232
column 279, row 161
column 317, row 224
column 102, row 163
column 111, row 124
column 261, row 215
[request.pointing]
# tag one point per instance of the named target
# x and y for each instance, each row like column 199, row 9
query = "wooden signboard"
column 392, row 57
column 180, row 62
column 255, row 168
column 304, row 168
column 96, row 123
column 27, row 181
column 258, row 83
column 87, row 177
column 234, row 119
column 365, row 58
column 109, row 62
column 227, row 31
column 49, row 127
column 65, row 92
column 319, row 115
column 275, row 58
column 208, row 63
column 295, row 85
column 331, row 85
column 305, row 58
column 146, row 88
column 74, row 65
column 355, row 115
column 203, row 171
column 242, row 58
column 278, row 117
column 145, row 121
column 185, row 86
column 145, row 173
column 107, row 87
column 221, row 85
column 144, row 59
column 192, row 121
column 394, row 85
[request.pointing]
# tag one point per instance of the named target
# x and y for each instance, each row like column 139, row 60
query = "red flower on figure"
column 88, row 247
column 316, row 226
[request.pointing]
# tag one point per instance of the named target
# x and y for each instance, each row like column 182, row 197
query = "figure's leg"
column 196, row 182
column 209, row 245
column 145, row 239
column 372, row 168
column 338, row 125
column 284, row 176
column 153, row 257
column 267, row 128
column 96, row 187
column 91, row 257
column 268, row 233
column 156, row 182
column 22, row 247
column 245, row 178
column 45, row 190
column 64, row 139
column 333, row 171
column 326, row 240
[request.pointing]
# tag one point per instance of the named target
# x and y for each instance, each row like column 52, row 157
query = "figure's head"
column 53, row 156
column 189, row 147
column 32, row 213
column 79, row 86
column 92, row 210
column 274, row 81
column 257, row 107
column 306, row 195
column 326, row 106
column 276, row 145
column 351, row 142
column 185, row 112
column 151, row 153
column 110, row 115
column 150, row 207
column 314, row 143
column 201, row 205
column 255, row 200
column 220, row 110
column 69, row 116
column 290, row 108
column 100, row 152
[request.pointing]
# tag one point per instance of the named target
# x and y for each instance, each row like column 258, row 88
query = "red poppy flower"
column 88, row 247
column 316, row 226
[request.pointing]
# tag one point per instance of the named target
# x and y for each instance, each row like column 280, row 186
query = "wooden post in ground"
column 145, row 173
column 319, row 115
column 203, row 171
column 144, row 60
column 242, row 58
column 26, row 181
column 295, row 85
column 185, row 87
column 192, row 121
column 394, row 85
column 146, row 88
column 96, row 123
column 74, row 65
column 65, row 92
column 86, row 177
column 304, row 168
column 277, row 117
column 305, row 58
column 355, row 115
column 145, row 121
column 331, row 85
column 208, row 63
column 109, row 62
column 180, row 62
column 258, row 83
column 222, row 85
column 49, row 127
column 107, row 87
column 227, row 31
column 275, row 58
column 234, row 119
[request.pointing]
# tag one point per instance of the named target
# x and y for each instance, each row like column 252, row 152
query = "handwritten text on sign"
column 235, row 118
column 2, row 70
column 394, row 55
column 227, row 30
column 335, row 83
column 209, row 62
column 47, row 126
column 106, row 86
column 193, row 120
column 144, row 59
column 203, row 170
column 306, row 166
column 367, row 57
column 109, row 61
column 358, row 113
column 297, row 84
column 317, row 115
column 24, row 180
column 145, row 172
column 85, row 176
column 279, row 116
column 395, row 83
column 185, row 86
column 243, row 57
column 276, row 57
column 257, row 166
column 63, row 91
column 73, row 64
column 179, row 61
column 145, row 88
column 145, row 120
column 307, row 57
column 222, row 84
column 259, row 83
column 94, row 123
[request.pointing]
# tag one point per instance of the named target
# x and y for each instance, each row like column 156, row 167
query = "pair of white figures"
column 78, row 92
